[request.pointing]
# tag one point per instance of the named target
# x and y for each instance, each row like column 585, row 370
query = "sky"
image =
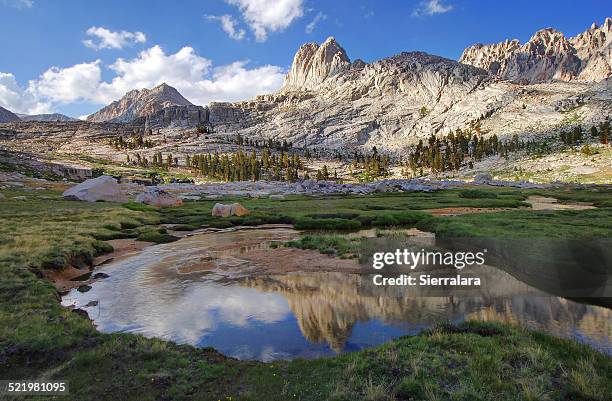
column 74, row 56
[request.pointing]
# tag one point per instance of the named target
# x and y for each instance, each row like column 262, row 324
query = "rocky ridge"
column 7, row 116
column 140, row 103
column 328, row 100
column 45, row 117
column 548, row 56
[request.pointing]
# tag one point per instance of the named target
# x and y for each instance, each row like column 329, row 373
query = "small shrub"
column 129, row 224
column 156, row 237
column 347, row 216
column 365, row 220
column 385, row 220
column 477, row 194
column 327, row 224
column 102, row 247
column 409, row 389
column 184, row 227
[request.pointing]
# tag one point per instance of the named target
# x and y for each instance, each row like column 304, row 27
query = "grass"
column 594, row 223
column 39, row 338
column 340, row 246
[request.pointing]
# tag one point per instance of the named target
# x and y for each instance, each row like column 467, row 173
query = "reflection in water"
column 159, row 293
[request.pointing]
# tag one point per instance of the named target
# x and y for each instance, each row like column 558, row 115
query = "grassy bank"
column 40, row 339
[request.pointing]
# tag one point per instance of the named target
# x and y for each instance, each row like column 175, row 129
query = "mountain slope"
column 7, row 116
column 45, row 117
column 140, row 103
column 329, row 101
column 548, row 56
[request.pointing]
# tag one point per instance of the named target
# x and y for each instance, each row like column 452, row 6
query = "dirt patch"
column 122, row 248
column 66, row 279
column 547, row 203
column 71, row 277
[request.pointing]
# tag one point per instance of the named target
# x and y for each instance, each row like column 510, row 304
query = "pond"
column 208, row 290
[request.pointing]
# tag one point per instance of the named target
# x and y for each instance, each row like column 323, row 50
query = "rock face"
column 594, row 47
column 45, row 117
column 329, row 101
column 158, row 198
column 103, row 188
column 548, row 56
column 508, row 88
column 140, row 103
column 177, row 116
column 7, row 116
column 313, row 64
column 235, row 209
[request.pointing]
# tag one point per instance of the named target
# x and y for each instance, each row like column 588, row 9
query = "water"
column 205, row 291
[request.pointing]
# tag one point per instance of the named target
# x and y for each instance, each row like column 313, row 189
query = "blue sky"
column 74, row 56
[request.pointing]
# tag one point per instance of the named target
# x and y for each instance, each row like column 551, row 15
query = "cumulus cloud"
column 228, row 24
column 106, row 39
column 67, row 85
column 194, row 76
column 313, row 24
column 264, row 16
column 431, row 7
column 19, row 100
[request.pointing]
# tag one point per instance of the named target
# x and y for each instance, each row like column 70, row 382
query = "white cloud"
column 228, row 24
column 19, row 100
column 431, row 7
column 194, row 76
column 152, row 67
column 264, row 16
column 312, row 24
column 67, row 85
column 235, row 82
column 18, row 3
column 112, row 40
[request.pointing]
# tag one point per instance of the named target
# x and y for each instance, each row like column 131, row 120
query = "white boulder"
column 103, row 188
column 159, row 198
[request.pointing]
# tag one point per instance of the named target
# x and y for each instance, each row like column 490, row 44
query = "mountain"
column 7, row 116
column 548, row 56
column 330, row 101
column 45, row 117
column 140, row 103
column 327, row 99
column 312, row 64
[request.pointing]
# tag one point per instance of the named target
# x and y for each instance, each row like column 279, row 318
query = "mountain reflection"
column 203, row 291
column 328, row 305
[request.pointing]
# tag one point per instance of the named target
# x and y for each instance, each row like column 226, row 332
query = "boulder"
column 383, row 187
column 239, row 210
column 2, row 196
column 235, row 209
column 482, row 178
column 159, row 198
column 103, row 188
column 277, row 197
